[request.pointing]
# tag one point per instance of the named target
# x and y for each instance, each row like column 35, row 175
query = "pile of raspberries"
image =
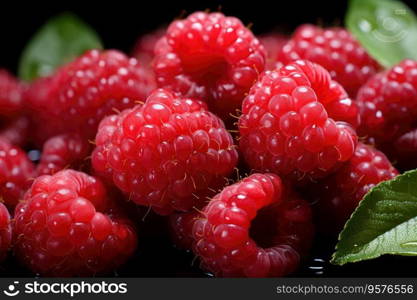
column 249, row 146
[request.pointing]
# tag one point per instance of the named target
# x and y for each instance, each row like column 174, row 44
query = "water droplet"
column 34, row 155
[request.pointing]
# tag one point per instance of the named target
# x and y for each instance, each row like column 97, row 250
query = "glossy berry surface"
column 212, row 57
column 167, row 154
column 223, row 235
column 338, row 195
column 388, row 103
column 79, row 94
column 290, row 123
column 62, row 152
column 5, row 231
column 16, row 173
column 67, row 227
column 336, row 50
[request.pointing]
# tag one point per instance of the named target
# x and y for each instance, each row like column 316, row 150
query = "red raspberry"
column 167, row 154
column 63, row 151
column 16, row 131
column 145, row 45
column 212, row 57
column 388, row 103
column 224, row 235
column 11, row 94
column 66, row 227
column 273, row 43
column 16, row 173
column 5, row 231
column 339, row 194
column 82, row 92
column 336, row 50
column 288, row 124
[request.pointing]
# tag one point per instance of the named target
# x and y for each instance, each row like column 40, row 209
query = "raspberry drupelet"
column 62, row 152
column 5, row 232
column 16, row 173
column 337, row 196
column 79, row 94
column 388, row 103
column 234, row 237
column 169, row 154
column 336, row 50
column 67, row 226
column 212, row 57
column 290, row 123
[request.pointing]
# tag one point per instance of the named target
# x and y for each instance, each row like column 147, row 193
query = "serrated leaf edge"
column 339, row 260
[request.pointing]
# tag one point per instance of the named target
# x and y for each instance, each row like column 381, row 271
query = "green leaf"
column 59, row 41
column 385, row 222
column 387, row 29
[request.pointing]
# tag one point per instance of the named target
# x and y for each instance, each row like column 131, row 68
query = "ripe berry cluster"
column 297, row 118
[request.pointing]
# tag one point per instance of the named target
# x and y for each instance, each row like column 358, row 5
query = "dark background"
column 119, row 23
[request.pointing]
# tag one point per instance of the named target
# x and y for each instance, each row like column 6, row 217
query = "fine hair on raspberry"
column 337, row 196
column 297, row 122
column 169, row 154
column 212, row 57
column 223, row 234
column 336, row 50
column 79, row 94
column 68, row 226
